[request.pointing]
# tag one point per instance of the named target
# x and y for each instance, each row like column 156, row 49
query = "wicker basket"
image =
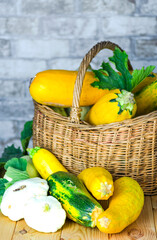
column 125, row 148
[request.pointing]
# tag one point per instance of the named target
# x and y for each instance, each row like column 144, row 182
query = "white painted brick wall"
column 149, row 7
column 74, row 27
column 20, row 68
column 41, row 49
column 129, row 26
column 39, row 35
column 107, row 8
column 8, row 7
column 146, row 48
column 11, row 89
column 5, row 50
column 19, row 26
column 44, row 8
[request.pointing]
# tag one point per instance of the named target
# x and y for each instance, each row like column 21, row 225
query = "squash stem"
column 105, row 189
column 125, row 100
column 33, row 151
column 46, row 207
column 104, row 222
column 96, row 212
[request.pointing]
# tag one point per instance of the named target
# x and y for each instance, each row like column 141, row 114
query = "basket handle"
column 75, row 110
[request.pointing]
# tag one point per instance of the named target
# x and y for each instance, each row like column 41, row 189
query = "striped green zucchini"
column 80, row 206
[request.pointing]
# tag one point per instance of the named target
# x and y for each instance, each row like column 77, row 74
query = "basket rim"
column 48, row 112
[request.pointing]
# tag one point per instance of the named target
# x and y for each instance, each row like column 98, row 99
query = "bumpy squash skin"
column 46, row 163
column 80, row 206
column 124, row 206
column 55, row 88
column 104, row 111
column 98, row 181
column 146, row 99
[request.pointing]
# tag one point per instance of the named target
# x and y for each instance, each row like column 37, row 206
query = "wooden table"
column 144, row 228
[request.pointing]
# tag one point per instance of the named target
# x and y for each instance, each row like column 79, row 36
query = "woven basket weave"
column 125, row 148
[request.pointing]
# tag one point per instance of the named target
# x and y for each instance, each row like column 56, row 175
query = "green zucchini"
column 80, row 206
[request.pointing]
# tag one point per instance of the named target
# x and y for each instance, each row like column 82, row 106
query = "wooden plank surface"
column 6, row 228
column 74, row 231
column 144, row 228
column 154, row 207
column 23, row 232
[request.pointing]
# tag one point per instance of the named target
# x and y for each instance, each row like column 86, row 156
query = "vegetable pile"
column 39, row 189
column 45, row 201
column 108, row 95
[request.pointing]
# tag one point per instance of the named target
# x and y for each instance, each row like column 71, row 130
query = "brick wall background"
column 39, row 35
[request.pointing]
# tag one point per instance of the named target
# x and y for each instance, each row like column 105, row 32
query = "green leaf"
column 140, row 75
column 17, row 163
column 120, row 59
column 114, row 77
column 1, row 164
column 16, row 171
column 26, row 134
column 2, row 187
column 10, row 152
column 108, row 78
column 15, row 175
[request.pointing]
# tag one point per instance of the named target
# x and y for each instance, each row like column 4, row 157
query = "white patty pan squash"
column 17, row 195
column 44, row 214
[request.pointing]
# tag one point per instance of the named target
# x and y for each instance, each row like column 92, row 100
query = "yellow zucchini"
column 98, row 181
column 115, row 106
column 45, row 162
column 55, row 88
column 124, row 206
column 146, row 99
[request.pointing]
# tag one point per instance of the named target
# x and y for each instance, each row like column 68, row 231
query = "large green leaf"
column 17, row 163
column 120, row 59
column 10, row 152
column 26, row 134
column 107, row 78
column 16, row 174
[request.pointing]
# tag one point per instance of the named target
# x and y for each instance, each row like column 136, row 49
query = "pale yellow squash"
column 124, row 206
column 55, row 88
column 98, row 181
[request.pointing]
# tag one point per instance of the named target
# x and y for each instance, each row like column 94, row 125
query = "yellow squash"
column 98, row 181
column 45, row 162
column 124, row 206
column 146, row 99
column 114, row 106
column 55, row 88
